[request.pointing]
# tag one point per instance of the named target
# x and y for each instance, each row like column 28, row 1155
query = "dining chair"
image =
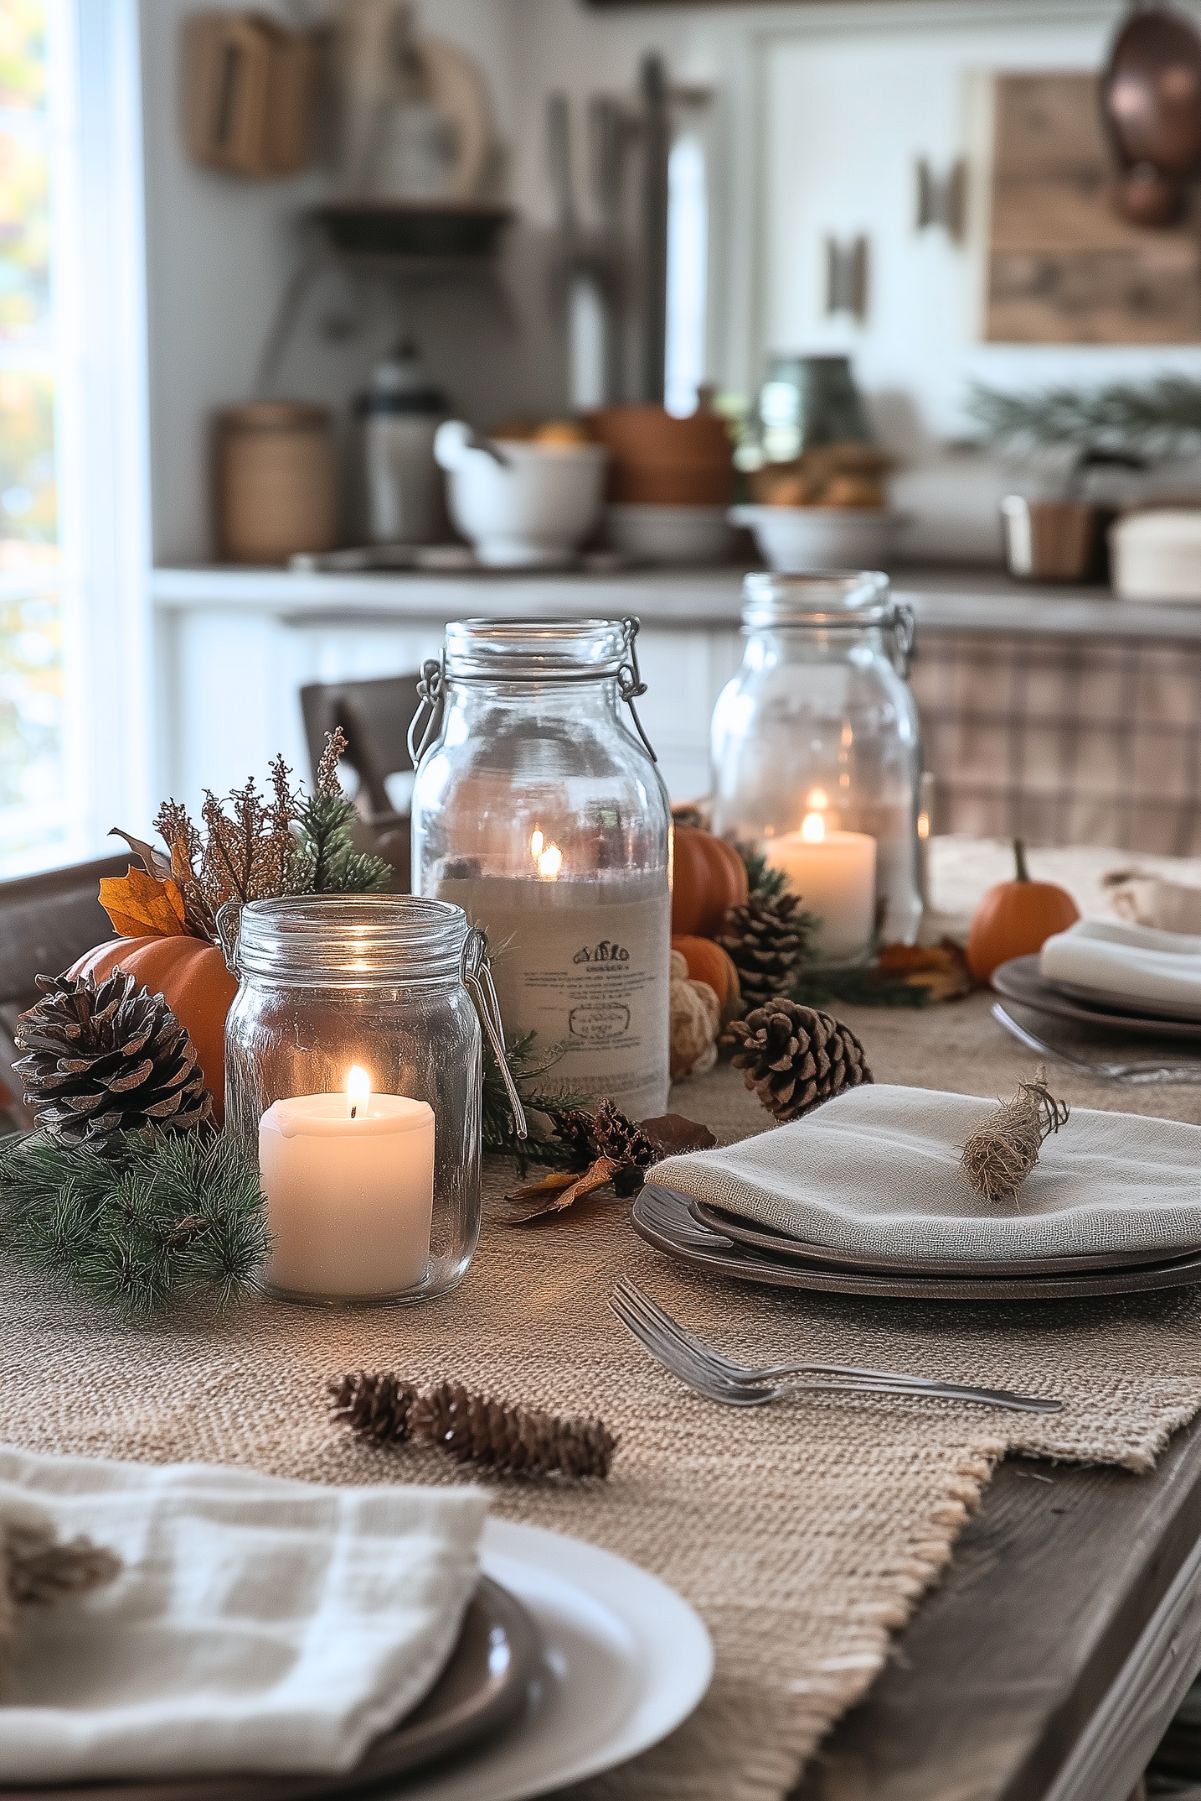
column 46, row 921
column 374, row 714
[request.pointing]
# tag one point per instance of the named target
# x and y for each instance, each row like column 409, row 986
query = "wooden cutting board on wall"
column 1062, row 267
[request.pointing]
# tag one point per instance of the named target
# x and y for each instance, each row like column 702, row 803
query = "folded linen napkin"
column 1152, row 900
column 1137, row 962
column 257, row 1624
column 876, row 1172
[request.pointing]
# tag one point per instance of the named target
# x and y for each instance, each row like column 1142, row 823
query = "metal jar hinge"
column 430, row 685
column 630, row 684
column 477, row 979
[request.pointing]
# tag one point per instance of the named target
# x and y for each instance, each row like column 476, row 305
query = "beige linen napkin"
column 258, row 1624
column 1147, row 899
column 1138, row 963
column 876, row 1173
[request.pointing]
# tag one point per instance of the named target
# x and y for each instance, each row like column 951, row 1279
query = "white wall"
column 219, row 250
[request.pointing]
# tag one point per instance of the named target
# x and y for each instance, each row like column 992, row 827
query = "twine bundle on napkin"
column 38, row 1569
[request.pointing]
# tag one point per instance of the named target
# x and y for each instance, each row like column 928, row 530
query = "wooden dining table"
column 1049, row 1660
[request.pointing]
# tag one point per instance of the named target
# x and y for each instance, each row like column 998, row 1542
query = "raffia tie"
column 1002, row 1151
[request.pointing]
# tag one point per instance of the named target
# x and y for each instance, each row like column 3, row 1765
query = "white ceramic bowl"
column 799, row 538
column 536, row 509
column 670, row 535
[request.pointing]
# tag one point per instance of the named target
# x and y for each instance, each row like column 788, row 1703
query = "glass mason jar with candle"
column 538, row 809
column 816, row 753
column 352, row 1073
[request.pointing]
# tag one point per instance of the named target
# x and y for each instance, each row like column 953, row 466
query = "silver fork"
column 720, row 1378
column 1134, row 1073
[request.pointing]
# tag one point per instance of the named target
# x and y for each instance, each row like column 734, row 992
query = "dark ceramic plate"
column 662, row 1218
column 482, row 1687
column 1019, row 980
column 795, row 1250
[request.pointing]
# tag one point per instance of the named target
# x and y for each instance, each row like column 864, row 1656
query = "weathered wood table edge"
column 1049, row 1659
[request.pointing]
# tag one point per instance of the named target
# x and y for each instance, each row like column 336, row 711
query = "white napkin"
column 1148, row 899
column 1136, row 962
column 876, row 1172
column 257, row 1625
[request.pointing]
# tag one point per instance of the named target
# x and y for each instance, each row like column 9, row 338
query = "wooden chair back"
column 375, row 715
column 46, row 922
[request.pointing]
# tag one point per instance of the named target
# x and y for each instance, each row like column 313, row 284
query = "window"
column 71, row 662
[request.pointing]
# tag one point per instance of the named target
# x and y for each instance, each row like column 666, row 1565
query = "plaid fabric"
column 1064, row 740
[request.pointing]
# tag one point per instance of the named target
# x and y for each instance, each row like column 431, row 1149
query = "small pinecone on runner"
column 377, row 1407
column 767, row 939
column 106, row 1057
column 795, row 1057
column 607, row 1133
column 510, row 1440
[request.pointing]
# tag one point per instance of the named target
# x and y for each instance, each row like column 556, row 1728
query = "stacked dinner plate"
column 709, row 1238
column 1111, row 976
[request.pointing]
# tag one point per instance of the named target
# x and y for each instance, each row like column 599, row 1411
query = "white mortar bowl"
column 535, row 510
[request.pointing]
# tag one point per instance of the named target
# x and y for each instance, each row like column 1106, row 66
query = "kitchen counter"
column 943, row 599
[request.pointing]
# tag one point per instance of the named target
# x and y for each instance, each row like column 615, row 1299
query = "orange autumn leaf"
column 140, row 905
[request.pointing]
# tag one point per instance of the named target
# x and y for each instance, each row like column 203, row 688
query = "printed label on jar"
column 593, row 979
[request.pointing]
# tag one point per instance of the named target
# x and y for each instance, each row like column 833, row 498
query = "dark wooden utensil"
column 1151, row 108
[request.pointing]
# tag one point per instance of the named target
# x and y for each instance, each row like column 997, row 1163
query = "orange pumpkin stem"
column 1020, row 867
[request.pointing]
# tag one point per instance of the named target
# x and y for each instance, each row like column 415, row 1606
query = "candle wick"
column 354, row 1111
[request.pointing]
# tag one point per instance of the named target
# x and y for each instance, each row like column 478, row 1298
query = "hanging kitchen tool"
column 656, row 149
column 1151, row 109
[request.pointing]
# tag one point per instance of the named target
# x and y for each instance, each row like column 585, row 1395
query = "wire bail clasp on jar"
column 904, row 632
column 630, row 684
column 430, row 686
column 477, row 979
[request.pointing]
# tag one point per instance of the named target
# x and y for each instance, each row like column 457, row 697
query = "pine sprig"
column 763, row 878
column 323, row 858
column 1159, row 418
column 528, row 1066
column 163, row 1219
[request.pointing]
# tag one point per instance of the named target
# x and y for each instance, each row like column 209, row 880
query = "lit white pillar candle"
column 835, row 875
column 349, row 1185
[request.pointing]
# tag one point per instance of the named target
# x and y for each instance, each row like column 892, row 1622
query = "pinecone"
column 510, row 1440
column 767, row 939
column 375, row 1407
column 575, row 1129
column 607, row 1133
column 105, row 1057
column 795, row 1057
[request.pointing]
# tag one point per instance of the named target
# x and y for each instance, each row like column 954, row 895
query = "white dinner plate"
column 625, row 1660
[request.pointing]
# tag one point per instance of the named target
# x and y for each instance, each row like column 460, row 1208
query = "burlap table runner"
column 803, row 1533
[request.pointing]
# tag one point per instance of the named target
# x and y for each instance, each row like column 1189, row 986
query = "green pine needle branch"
column 529, row 1066
column 1159, row 419
column 165, row 1218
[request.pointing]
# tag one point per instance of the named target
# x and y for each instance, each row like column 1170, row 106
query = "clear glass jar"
column 816, row 753
column 352, row 1070
column 540, row 812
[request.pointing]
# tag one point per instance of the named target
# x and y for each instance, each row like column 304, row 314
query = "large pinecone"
column 510, row 1440
column 106, row 1057
column 795, row 1057
column 768, row 940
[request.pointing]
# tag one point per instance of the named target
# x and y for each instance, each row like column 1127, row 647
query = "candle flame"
column 550, row 862
column 536, row 843
column 923, row 825
column 358, row 1088
column 813, row 828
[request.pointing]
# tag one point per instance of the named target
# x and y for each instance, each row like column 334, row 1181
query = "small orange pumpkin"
column 709, row 878
column 192, row 978
column 708, row 962
column 1016, row 918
